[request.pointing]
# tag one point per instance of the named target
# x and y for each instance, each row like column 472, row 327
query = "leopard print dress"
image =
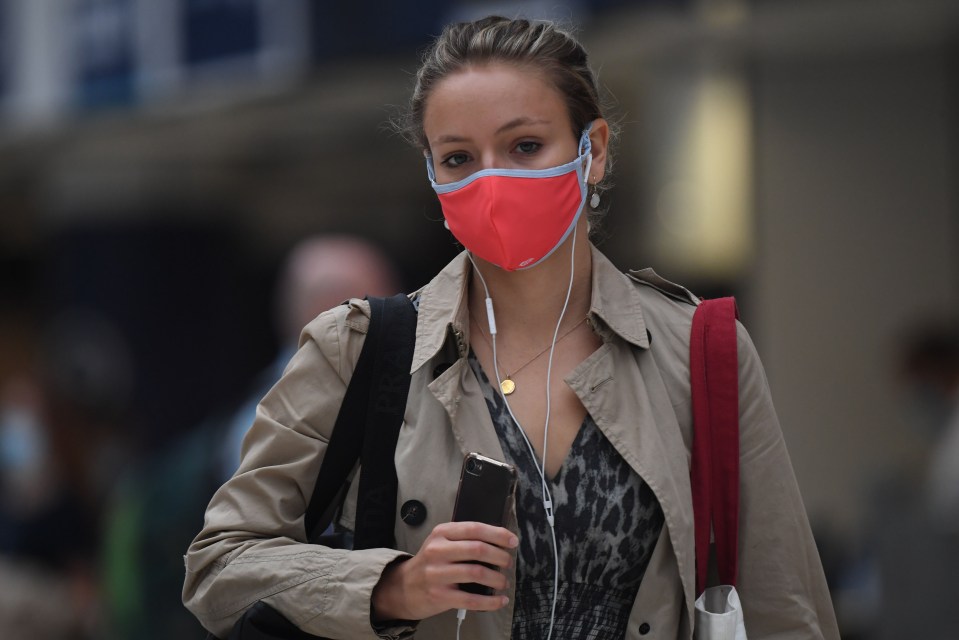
column 607, row 521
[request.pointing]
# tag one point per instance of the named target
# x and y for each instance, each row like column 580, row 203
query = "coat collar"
column 614, row 308
column 615, row 301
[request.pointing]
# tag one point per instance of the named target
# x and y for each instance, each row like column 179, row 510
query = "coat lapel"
column 458, row 391
column 625, row 394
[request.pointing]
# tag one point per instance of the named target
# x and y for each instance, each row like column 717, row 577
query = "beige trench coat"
column 635, row 386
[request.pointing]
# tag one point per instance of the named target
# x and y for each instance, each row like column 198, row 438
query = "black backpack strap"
column 374, row 403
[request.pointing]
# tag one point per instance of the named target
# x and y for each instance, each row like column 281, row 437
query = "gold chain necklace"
column 507, row 386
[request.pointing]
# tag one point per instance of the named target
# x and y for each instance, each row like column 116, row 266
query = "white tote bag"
column 719, row 615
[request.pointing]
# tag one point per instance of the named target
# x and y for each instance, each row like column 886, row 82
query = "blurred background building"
column 159, row 158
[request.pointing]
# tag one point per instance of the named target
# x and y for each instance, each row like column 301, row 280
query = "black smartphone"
column 486, row 487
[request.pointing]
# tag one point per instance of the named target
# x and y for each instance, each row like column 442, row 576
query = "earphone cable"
column 540, row 467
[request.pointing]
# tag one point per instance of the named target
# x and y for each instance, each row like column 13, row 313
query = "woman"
column 590, row 365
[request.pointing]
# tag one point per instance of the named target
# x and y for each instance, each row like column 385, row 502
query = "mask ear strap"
column 586, row 146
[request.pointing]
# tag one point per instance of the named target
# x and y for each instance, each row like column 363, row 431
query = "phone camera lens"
column 474, row 467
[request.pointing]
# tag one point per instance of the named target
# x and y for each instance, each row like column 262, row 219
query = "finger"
column 456, row 574
column 460, row 599
column 498, row 536
column 472, row 551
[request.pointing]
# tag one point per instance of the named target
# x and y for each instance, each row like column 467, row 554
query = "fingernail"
column 505, row 600
column 513, row 541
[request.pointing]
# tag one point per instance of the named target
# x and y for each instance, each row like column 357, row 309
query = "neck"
column 528, row 303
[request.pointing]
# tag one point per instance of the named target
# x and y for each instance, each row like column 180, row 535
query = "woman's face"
column 499, row 116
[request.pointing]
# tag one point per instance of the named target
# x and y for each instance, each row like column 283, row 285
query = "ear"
column 599, row 140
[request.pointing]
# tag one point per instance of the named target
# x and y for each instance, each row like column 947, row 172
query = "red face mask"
column 516, row 218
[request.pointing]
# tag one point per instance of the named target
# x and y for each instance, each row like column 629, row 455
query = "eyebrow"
column 512, row 124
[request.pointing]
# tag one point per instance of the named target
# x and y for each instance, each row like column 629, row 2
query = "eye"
column 454, row 160
column 528, row 147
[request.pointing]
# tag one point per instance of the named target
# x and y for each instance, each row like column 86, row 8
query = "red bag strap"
column 714, row 473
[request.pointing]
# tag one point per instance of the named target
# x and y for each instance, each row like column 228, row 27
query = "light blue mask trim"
column 585, row 145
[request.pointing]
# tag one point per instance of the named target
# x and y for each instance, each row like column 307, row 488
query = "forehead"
column 481, row 98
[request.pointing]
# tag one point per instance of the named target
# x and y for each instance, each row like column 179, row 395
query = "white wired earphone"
column 540, row 466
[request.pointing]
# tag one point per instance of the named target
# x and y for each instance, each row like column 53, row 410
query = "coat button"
column 644, row 628
column 440, row 368
column 413, row 512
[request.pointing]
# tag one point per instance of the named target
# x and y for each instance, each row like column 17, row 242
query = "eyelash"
column 451, row 163
column 536, row 147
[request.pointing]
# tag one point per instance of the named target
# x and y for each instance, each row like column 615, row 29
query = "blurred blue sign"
column 4, row 44
column 373, row 27
column 216, row 29
column 103, row 40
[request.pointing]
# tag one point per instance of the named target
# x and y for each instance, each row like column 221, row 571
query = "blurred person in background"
column 157, row 511
column 931, row 370
column 898, row 582
column 26, row 477
column 62, row 446
column 508, row 116
column 320, row 273
column 35, row 598
column 916, row 524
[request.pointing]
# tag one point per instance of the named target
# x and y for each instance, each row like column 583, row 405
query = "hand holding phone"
column 485, row 490
column 423, row 585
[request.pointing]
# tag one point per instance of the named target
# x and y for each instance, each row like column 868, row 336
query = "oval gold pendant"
column 507, row 386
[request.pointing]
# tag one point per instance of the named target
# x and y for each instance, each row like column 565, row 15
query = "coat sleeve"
column 252, row 546
column 781, row 581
